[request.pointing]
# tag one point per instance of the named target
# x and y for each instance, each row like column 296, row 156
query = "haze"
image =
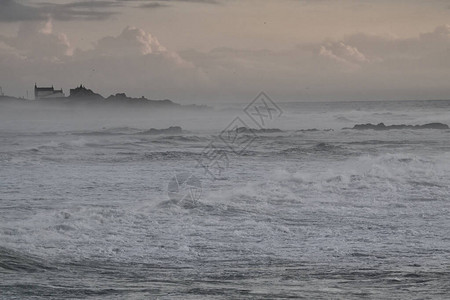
column 208, row 51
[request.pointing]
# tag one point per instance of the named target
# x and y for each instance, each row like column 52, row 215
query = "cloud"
column 32, row 42
column 357, row 67
column 11, row 11
column 14, row 11
column 149, row 2
column 132, row 41
column 194, row 1
column 152, row 5
column 80, row 10
column 343, row 53
column 360, row 66
column 391, row 47
column 133, row 61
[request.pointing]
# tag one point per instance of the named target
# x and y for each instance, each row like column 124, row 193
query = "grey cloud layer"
column 15, row 11
column 358, row 67
column 131, row 61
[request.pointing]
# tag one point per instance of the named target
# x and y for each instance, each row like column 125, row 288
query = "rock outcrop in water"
column 170, row 130
column 314, row 130
column 381, row 126
column 262, row 130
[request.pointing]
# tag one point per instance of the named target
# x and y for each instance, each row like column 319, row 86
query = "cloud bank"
column 357, row 67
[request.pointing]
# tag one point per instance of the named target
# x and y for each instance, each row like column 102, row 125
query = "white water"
column 84, row 209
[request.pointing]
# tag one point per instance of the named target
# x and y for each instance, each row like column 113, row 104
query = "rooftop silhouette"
column 82, row 95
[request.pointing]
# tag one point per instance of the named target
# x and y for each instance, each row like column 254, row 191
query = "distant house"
column 47, row 92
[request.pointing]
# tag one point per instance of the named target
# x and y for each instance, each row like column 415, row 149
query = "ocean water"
column 88, row 210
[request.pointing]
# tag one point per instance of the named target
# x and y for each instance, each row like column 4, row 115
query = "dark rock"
column 313, row 130
column 122, row 98
column 81, row 93
column 435, row 126
column 170, row 130
column 262, row 130
column 381, row 126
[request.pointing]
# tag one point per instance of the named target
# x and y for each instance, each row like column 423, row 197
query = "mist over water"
column 311, row 210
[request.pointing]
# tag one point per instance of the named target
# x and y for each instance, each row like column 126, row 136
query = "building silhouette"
column 47, row 93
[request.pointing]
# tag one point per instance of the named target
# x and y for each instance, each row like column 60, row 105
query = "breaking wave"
column 13, row 260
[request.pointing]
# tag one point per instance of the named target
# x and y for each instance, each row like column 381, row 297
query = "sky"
column 206, row 51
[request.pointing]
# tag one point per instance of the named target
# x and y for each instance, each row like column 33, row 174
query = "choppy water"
column 341, row 214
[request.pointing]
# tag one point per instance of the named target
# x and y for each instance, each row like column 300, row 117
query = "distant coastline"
column 86, row 97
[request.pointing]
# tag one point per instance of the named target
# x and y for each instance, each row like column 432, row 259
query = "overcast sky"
column 199, row 51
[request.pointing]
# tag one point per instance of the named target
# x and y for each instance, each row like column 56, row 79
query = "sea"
column 251, row 200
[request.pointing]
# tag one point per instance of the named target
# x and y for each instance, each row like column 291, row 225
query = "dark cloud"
column 13, row 11
column 194, row 1
column 163, row 3
column 81, row 10
column 152, row 5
